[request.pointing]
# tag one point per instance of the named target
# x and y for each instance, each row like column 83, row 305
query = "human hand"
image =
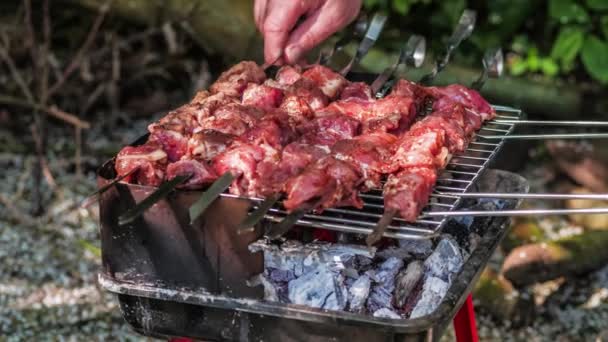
column 285, row 37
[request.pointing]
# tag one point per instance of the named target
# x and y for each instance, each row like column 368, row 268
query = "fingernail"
column 293, row 53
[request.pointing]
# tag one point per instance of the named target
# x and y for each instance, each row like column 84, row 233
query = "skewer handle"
column 370, row 38
column 462, row 31
column 412, row 54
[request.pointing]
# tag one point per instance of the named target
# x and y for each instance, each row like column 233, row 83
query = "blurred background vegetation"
column 555, row 39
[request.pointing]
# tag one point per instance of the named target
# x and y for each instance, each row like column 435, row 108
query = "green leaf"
column 568, row 44
column 604, row 25
column 549, row 67
column 518, row 66
column 594, row 58
column 597, row 4
column 567, row 11
column 401, row 6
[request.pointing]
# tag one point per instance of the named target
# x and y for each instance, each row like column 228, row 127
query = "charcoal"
column 384, row 277
column 301, row 259
column 405, row 282
column 277, row 275
column 395, row 252
column 386, row 313
column 379, row 298
column 418, row 248
column 320, row 288
column 445, row 261
column 358, row 293
column 433, row 291
column 385, row 274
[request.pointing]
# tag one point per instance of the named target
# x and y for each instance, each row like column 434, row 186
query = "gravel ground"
column 48, row 268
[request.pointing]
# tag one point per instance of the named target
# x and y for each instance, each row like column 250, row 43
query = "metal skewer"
column 547, row 136
column 258, row 214
column 551, row 123
column 94, row 197
column 277, row 230
column 521, row 212
column 219, row 186
column 381, row 227
column 493, row 63
column 503, row 195
column 462, row 31
column 372, row 34
column 358, row 30
column 412, row 54
column 162, row 191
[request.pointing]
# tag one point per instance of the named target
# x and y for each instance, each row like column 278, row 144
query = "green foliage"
column 552, row 38
column 567, row 45
column 567, row 11
column 595, row 58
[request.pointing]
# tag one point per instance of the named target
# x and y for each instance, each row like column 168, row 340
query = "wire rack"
column 458, row 176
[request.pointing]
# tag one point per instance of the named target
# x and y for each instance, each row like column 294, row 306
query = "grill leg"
column 464, row 322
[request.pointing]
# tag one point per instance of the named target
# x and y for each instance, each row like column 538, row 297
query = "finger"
column 259, row 13
column 281, row 17
column 331, row 17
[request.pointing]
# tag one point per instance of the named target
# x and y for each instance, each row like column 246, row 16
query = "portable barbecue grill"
column 179, row 279
column 176, row 278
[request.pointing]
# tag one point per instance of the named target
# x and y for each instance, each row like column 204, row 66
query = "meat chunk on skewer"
column 390, row 114
column 359, row 90
column 469, row 98
column 450, row 123
column 327, row 183
column 408, row 191
column 295, row 157
column 420, row 150
column 232, row 119
column 149, row 160
column 308, row 91
column 254, row 153
column 243, row 161
column 234, row 81
column 173, row 130
column 330, row 82
column 207, row 144
column 369, row 153
column 327, row 130
column 262, row 96
column 288, row 75
column 199, row 172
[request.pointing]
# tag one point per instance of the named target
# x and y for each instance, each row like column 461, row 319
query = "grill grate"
column 458, row 176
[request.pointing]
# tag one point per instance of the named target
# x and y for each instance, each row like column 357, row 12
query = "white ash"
column 418, row 248
column 441, row 267
column 445, row 261
column 433, row 291
column 386, row 313
column 320, row 288
column 301, row 259
column 358, row 293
